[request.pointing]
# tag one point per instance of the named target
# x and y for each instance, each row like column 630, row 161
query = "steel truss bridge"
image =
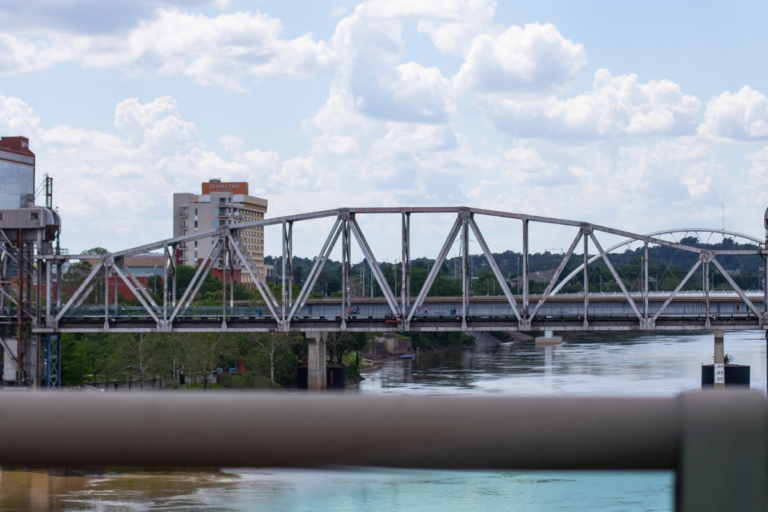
column 643, row 310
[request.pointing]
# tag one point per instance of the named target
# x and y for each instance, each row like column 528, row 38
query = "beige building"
column 219, row 204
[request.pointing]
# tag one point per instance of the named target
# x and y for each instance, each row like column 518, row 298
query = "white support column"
column 316, row 364
column 586, row 278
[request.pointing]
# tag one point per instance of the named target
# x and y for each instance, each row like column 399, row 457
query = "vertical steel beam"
column 171, row 255
column 465, row 273
column 166, row 260
column 114, row 275
column 59, row 283
column 765, row 285
column 408, row 266
column 225, row 243
column 706, row 293
column 645, row 284
column 344, row 249
column 405, row 265
column 348, row 265
column 290, row 263
column 20, row 309
column 285, row 255
column 586, row 276
column 106, row 298
column 231, row 277
column 48, row 293
column 525, row 270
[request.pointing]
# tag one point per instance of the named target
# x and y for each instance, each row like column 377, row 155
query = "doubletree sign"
column 240, row 187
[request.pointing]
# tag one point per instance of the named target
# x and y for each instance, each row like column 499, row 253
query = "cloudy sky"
column 638, row 115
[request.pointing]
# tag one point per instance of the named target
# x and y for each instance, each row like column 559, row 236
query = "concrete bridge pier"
column 316, row 360
column 719, row 355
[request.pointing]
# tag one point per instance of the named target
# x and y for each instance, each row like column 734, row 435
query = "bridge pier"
column 719, row 354
column 316, row 379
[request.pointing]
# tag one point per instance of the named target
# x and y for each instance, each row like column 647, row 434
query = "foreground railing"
column 715, row 441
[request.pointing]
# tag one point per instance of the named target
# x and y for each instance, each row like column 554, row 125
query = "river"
column 586, row 364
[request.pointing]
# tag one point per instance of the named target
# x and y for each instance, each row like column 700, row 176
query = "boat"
column 407, row 356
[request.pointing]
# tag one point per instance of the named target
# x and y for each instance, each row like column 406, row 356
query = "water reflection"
column 589, row 363
column 336, row 490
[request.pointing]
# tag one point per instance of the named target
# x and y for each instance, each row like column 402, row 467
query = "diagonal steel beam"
column 377, row 273
column 559, row 271
column 80, row 289
column 672, row 296
column 435, row 269
column 10, row 297
column 257, row 278
column 247, row 256
column 311, row 285
column 135, row 292
column 89, row 291
column 139, row 286
column 616, row 276
column 7, row 350
column 317, row 268
column 198, row 272
column 219, row 243
column 737, row 289
column 494, row 267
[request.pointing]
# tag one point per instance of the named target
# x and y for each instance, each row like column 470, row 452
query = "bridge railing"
column 714, row 441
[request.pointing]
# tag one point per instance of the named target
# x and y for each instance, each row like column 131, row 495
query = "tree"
column 270, row 343
column 170, row 357
column 210, row 348
column 337, row 344
column 137, row 352
column 74, row 360
column 359, row 342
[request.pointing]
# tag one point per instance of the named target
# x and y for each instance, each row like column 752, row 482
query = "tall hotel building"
column 17, row 173
column 219, row 204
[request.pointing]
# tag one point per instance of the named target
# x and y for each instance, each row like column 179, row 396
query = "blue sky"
column 640, row 116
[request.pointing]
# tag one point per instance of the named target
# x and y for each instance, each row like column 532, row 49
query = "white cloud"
column 222, row 50
column 739, row 116
column 338, row 12
column 616, row 106
column 85, row 17
column 534, row 58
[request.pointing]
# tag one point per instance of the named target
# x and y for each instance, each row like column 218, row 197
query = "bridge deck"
column 607, row 311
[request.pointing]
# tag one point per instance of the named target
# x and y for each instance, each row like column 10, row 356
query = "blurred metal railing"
column 715, row 441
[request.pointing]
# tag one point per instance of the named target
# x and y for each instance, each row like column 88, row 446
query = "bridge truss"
column 642, row 310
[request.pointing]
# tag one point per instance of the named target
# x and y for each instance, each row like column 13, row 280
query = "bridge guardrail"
column 715, row 441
